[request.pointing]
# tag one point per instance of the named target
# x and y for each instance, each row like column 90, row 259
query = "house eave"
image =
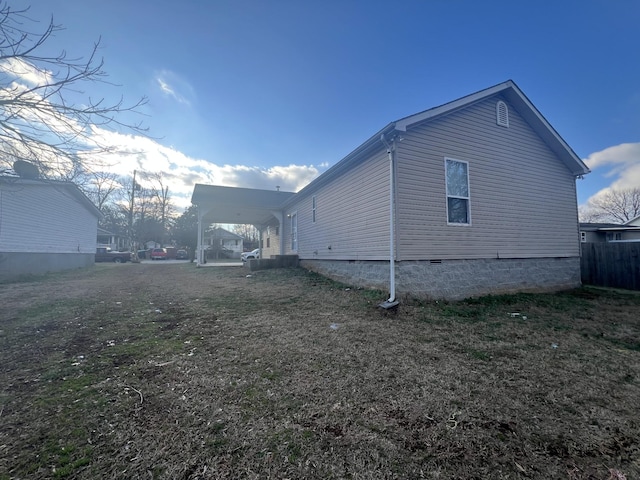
column 361, row 153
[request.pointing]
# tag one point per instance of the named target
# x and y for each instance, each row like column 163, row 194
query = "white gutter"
column 391, row 301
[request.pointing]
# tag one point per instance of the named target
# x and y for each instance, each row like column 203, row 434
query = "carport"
column 217, row 204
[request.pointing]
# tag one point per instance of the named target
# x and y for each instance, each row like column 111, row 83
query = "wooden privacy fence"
column 611, row 265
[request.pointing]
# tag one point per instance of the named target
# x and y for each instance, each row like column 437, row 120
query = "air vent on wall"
column 502, row 114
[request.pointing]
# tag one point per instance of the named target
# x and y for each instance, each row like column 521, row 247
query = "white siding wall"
column 44, row 219
column 352, row 216
column 523, row 199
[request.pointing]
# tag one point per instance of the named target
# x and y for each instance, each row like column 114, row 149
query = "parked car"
column 158, row 254
column 249, row 255
column 105, row 254
column 182, row 255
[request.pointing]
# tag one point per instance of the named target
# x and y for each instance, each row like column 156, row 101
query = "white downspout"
column 391, row 302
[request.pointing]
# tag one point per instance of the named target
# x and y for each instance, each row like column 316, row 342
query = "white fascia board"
column 406, row 122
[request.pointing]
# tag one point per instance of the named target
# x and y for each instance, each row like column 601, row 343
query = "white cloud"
column 622, row 163
column 621, row 156
column 183, row 172
column 172, row 85
column 26, row 72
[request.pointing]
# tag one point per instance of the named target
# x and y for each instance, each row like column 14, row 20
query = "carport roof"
column 238, row 205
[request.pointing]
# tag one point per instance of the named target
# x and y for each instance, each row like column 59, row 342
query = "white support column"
column 280, row 217
column 199, row 248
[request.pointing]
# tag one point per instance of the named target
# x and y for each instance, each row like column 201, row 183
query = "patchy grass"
column 168, row 371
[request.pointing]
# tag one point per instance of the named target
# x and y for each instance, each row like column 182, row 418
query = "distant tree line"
column 139, row 207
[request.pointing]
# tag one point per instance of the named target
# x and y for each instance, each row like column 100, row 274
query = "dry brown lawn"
column 173, row 372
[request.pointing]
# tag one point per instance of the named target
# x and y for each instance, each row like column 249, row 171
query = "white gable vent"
column 502, row 114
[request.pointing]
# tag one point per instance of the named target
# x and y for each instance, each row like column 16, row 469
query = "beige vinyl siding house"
column 473, row 197
column 522, row 200
column 352, row 216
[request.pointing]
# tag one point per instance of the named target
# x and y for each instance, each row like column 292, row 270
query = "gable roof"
column 525, row 108
column 219, row 232
column 509, row 90
column 69, row 188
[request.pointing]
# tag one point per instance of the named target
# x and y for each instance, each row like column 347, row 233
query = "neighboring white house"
column 473, row 197
column 610, row 232
column 223, row 242
column 45, row 226
column 112, row 240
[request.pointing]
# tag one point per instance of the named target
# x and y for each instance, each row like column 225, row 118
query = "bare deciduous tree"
column 618, row 206
column 45, row 116
column 103, row 188
column 160, row 191
column 250, row 233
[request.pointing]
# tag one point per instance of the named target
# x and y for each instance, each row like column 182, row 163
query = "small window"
column 313, row 209
column 502, row 114
column 457, row 178
column 583, row 237
column 268, row 242
column 277, row 231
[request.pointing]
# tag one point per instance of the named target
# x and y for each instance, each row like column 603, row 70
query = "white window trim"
column 314, row 209
column 468, row 198
column 583, row 237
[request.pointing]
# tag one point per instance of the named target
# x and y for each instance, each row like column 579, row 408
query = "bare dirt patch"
column 168, row 371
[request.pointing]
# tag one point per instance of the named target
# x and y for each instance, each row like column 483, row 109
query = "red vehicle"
column 158, row 254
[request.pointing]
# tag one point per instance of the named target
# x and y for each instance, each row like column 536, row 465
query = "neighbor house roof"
column 607, row 227
column 634, row 222
column 510, row 92
column 69, row 188
column 224, row 234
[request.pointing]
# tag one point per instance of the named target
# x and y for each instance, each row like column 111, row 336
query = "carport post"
column 199, row 246
column 280, row 217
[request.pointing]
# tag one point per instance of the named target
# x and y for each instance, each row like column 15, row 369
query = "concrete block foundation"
column 456, row 279
column 15, row 264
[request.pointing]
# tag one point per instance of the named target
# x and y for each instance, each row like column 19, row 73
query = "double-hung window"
column 457, row 178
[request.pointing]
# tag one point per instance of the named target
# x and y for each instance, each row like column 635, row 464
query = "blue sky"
column 264, row 93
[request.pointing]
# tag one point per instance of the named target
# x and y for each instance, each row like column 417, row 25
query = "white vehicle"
column 249, row 255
